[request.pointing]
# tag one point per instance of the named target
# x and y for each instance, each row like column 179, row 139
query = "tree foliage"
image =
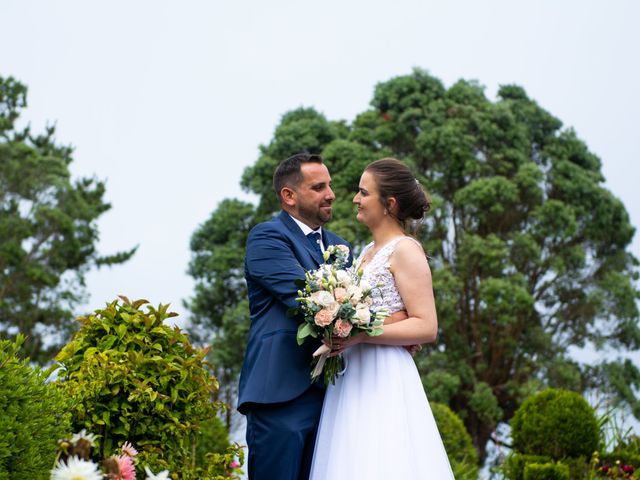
column 529, row 250
column 48, row 230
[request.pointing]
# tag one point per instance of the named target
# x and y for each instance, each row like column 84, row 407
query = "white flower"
column 364, row 285
column 322, row 298
column 362, row 315
column 344, row 278
column 163, row 475
column 76, row 469
column 354, row 292
column 333, row 308
column 318, row 275
column 83, row 435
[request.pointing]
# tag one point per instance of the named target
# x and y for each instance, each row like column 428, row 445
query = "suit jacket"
column 276, row 369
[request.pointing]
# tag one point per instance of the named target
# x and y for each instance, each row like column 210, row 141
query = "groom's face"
column 313, row 196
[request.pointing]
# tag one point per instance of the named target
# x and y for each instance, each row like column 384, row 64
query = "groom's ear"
column 287, row 196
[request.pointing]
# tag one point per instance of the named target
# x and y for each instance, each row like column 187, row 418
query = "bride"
column 376, row 421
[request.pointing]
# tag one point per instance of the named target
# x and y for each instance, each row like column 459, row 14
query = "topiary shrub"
column 457, row 442
column 515, row 463
column 546, row 471
column 135, row 379
column 33, row 416
column 557, row 424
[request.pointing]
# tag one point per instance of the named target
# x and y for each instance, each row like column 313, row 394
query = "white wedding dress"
column 376, row 421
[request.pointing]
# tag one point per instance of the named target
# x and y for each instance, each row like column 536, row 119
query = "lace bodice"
column 376, row 272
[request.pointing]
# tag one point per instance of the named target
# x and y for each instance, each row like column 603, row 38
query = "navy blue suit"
column 275, row 391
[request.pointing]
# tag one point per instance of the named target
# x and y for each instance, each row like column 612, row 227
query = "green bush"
column 546, row 471
column 212, row 437
column 135, row 379
column 457, row 442
column 557, row 424
column 515, row 464
column 33, row 416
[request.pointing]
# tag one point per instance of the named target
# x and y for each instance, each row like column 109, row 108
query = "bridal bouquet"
column 335, row 301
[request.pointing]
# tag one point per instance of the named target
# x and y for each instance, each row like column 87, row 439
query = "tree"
column 48, row 231
column 220, row 305
column 528, row 248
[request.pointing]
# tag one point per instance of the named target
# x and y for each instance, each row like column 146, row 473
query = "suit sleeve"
column 271, row 262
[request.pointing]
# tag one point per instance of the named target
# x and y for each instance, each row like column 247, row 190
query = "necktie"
column 314, row 238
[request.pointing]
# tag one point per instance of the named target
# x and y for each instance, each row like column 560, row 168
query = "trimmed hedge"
column 546, row 471
column 556, row 424
column 457, row 442
column 515, row 464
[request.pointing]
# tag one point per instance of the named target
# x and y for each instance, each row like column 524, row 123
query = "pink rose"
column 342, row 328
column 340, row 294
column 323, row 318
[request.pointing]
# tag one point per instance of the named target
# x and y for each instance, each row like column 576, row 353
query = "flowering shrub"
column 135, row 379
column 33, row 415
column 617, row 470
column 74, row 461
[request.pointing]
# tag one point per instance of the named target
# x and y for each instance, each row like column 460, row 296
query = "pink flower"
column 342, row 328
column 323, row 318
column 234, row 464
column 128, row 449
column 340, row 294
column 125, row 465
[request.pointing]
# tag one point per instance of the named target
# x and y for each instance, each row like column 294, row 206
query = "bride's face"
column 370, row 209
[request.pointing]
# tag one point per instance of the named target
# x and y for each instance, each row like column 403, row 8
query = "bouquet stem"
column 324, row 364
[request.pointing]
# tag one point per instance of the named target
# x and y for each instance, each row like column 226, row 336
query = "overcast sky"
column 169, row 101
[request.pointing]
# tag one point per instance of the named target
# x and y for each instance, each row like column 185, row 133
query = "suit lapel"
column 300, row 237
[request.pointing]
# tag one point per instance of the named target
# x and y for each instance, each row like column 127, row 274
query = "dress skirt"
column 377, row 423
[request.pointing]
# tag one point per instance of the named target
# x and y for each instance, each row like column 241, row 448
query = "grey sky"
column 168, row 101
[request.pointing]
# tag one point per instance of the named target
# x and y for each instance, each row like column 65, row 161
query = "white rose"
column 333, row 308
column 354, row 292
column 364, row 285
column 322, row 298
column 363, row 314
column 344, row 278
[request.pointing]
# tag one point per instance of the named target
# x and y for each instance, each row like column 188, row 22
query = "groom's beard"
column 317, row 216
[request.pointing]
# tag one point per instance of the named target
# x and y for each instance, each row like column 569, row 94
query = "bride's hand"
column 339, row 344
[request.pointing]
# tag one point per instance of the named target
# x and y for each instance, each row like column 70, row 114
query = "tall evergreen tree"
column 48, row 231
column 529, row 250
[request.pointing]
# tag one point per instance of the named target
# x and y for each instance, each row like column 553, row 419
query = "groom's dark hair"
column 288, row 173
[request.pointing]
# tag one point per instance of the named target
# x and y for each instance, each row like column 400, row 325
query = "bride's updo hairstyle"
column 394, row 179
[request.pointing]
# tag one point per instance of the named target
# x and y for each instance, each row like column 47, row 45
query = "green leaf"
column 304, row 330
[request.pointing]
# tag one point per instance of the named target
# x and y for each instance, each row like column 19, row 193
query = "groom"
column 282, row 406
